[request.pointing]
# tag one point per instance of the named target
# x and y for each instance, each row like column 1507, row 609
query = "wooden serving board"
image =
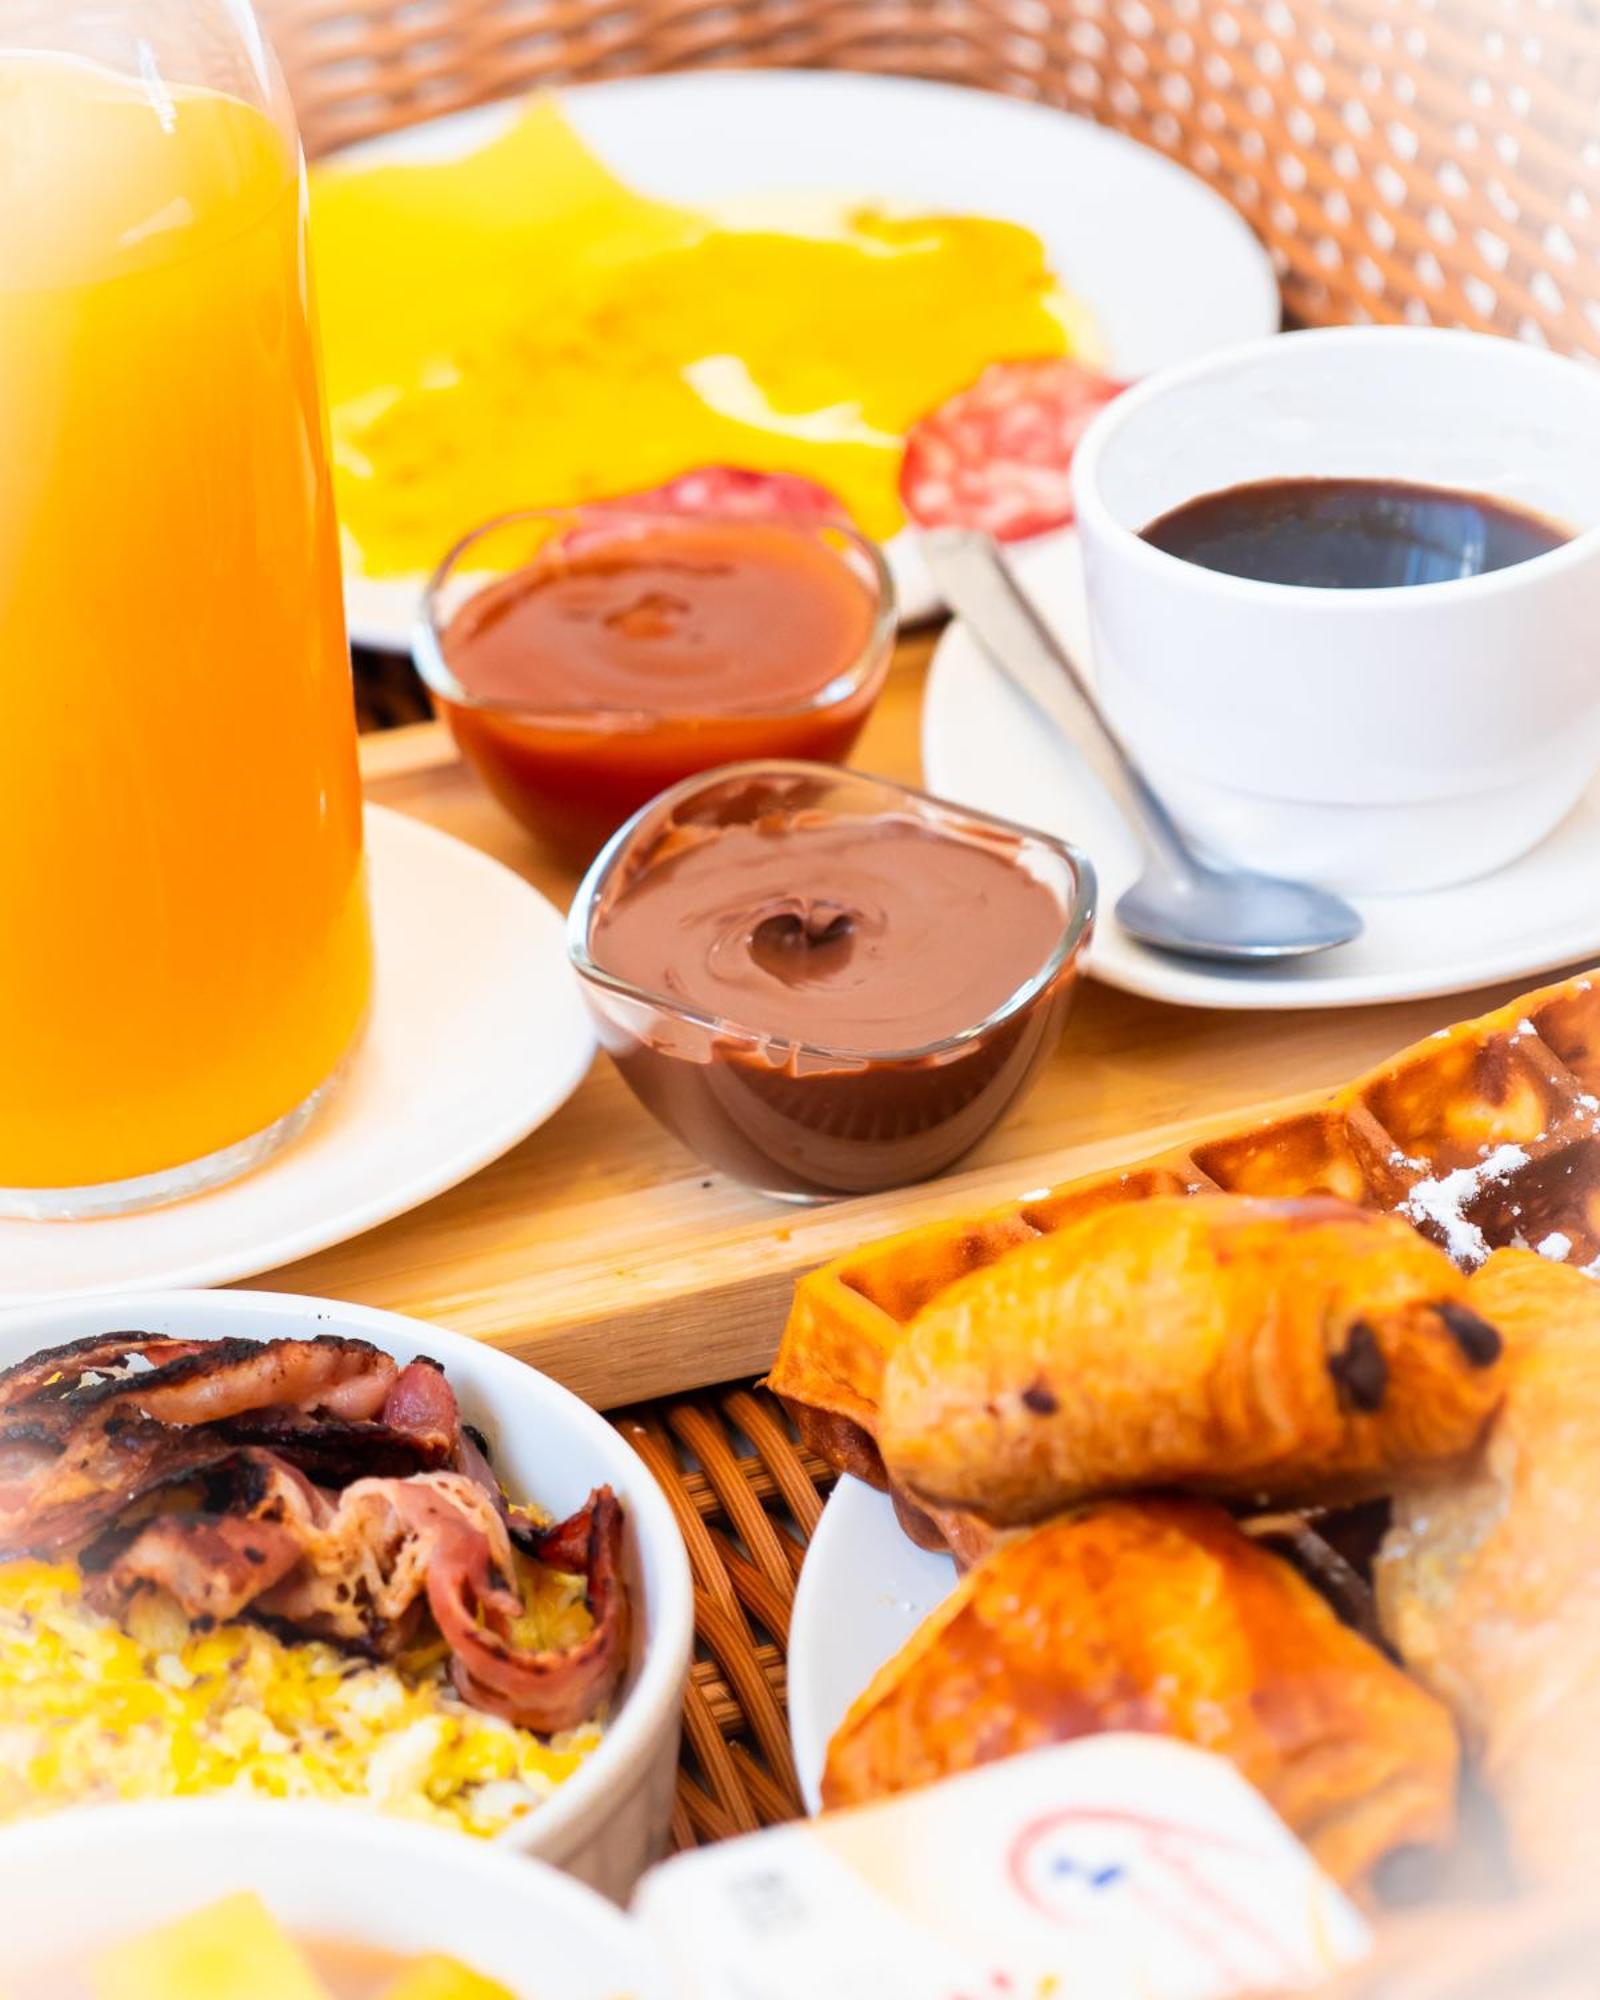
column 604, row 1253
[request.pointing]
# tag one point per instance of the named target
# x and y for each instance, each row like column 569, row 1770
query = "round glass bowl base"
column 84, row 1204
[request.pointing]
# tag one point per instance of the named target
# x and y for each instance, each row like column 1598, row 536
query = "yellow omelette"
column 515, row 327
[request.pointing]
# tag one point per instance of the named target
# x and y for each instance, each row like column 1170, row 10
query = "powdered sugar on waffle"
column 1444, row 1199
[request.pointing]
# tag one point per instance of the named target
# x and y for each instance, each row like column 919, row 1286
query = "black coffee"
column 1352, row 534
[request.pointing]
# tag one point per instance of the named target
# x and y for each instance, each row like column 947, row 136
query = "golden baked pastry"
column 1162, row 1616
column 1283, row 1351
column 1483, row 1134
column 1489, row 1580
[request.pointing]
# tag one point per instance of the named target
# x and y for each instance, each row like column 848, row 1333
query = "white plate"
column 1165, row 267
column 478, row 1033
column 984, row 745
column 864, row 1589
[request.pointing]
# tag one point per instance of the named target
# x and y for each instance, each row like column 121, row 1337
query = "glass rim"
column 427, row 640
column 1078, row 913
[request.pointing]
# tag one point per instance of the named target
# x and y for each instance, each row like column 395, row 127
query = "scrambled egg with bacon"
column 92, row 1712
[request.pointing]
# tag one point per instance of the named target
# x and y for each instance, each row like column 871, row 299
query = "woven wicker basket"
column 1404, row 159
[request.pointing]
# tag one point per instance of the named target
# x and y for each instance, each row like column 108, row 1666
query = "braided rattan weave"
column 747, row 1499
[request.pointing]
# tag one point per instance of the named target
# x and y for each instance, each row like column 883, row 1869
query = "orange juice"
column 184, row 947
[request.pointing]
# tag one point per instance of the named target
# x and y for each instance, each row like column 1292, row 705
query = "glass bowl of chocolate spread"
column 824, row 983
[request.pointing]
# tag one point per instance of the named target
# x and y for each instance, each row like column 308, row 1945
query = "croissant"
column 1162, row 1616
column 1298, row 1350
column 1489, row 1578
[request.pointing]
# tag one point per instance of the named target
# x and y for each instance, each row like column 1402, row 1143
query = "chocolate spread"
column 862, row 936
column 841, row 969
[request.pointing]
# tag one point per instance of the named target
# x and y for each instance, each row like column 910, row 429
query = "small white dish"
column 477, row 1035
column 609, row 1821
column 1166, row 268
column 984, row 745
column 864, row 1589
column 73, row 1885
column 1369, row 740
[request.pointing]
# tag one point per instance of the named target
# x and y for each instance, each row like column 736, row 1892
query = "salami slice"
column 998, row 456
column 733, row 489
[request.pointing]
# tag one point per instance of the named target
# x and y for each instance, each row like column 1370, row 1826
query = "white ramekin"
column 609, row 1821
column 98, row 1874
column 1369, row 739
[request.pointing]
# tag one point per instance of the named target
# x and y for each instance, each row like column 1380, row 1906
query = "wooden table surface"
column 605, row 1253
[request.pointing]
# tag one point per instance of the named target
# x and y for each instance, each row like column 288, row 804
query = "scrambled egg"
column 90, row 1712
column 515, row 328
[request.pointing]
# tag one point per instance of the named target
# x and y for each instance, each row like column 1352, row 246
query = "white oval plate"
column 984, row 745
column 478, row 1033
column 864, row 1589
column 1165, row 267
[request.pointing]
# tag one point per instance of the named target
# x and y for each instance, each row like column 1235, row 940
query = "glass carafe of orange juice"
column 184, row 948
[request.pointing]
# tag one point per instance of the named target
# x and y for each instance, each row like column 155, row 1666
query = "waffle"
column 1486, row 1134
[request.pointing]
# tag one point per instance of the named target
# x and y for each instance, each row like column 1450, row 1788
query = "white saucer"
column 478, row 1033
column 983, row 745
column 1165, row 266
column 864, row 1589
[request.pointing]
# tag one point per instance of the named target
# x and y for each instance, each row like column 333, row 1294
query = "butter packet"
column 1118, row 1867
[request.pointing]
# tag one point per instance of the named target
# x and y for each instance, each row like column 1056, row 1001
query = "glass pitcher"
column 185, row 957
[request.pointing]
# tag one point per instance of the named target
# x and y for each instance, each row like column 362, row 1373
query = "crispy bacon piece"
column 54, row 1374
column 82, row 1435
column 251, row 1531
column 366, row 1557
column 195, row 1382
column 422, row 1404
column 226, row 1378
column 334, row 1452
column 552, row 1690
column 56, row 1491
column 213, row 1565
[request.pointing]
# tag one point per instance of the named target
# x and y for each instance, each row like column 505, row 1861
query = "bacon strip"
column 200, row 1381
column 54, row 1494
column 75, row 1453
column 422, row 1404
column 366, row 1558
column 227, row 1378
column 334, row 1452
column 56, row 1372
column 559, row 1689
column 213, row 1565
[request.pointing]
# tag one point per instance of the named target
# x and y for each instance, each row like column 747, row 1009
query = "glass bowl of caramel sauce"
column 824, row 983
column 587, row 658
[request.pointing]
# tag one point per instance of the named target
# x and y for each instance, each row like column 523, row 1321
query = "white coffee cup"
column 1379, row 739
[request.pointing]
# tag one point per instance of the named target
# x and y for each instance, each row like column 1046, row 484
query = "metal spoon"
column 1180, row 903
